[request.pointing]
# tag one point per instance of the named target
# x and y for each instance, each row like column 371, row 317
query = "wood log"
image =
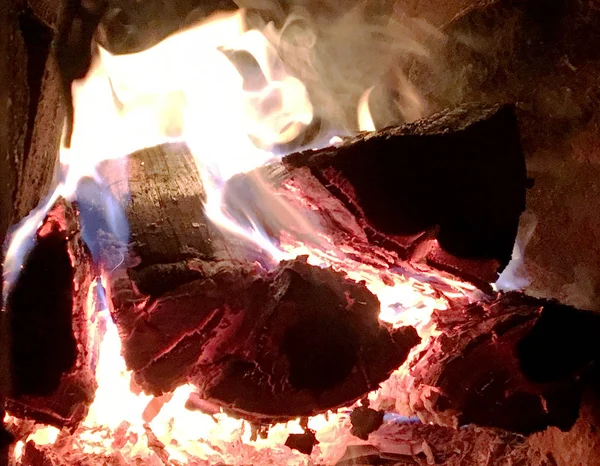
column 446, row 191
column 515, row 362
column 271, row 341
column 52, row 379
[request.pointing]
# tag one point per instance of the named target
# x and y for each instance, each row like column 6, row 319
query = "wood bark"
column 52, row 379
column 515, row 362
column 267, row 341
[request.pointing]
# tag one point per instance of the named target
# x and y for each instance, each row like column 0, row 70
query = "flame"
column 188, row 88
column 365, row 120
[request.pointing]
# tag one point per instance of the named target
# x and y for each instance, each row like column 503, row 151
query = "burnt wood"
column 514, row 362
column 51, row 376
column 195, row 305
column 446, row 191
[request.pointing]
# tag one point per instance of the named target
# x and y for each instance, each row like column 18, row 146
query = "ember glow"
column 187, row 89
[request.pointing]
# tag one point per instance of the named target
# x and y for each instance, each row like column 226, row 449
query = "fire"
column 365, row 120
column 187, row 88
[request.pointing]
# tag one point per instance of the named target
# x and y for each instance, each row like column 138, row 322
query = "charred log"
column 515, row 363
column 188, row 297
column 270, row 341
column 447, row 191
column 31, row 112
column 51, row 377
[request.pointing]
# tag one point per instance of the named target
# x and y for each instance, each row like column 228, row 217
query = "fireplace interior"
column 294, row 233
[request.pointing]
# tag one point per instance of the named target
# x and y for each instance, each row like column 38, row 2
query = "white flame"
column 514, row 277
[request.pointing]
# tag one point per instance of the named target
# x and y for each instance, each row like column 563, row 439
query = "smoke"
column 339, row 53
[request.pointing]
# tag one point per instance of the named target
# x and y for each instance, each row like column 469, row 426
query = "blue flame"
column 99, row 211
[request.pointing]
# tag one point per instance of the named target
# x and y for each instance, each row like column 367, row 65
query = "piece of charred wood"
column 304, row 443
column 197, row 305
column 51, row 376
column 365, row 420
column 515, row 363
column 36, row 456
column 447, row 191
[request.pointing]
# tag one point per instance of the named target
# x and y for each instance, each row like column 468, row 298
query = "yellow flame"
column 365, row 120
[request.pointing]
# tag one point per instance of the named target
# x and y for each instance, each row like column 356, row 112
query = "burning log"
column 193, row 307
column 515, row 363
column 447, row 191
column 52, row 380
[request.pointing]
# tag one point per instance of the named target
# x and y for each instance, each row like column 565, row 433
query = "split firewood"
column 515, row 362
column 52, row 378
